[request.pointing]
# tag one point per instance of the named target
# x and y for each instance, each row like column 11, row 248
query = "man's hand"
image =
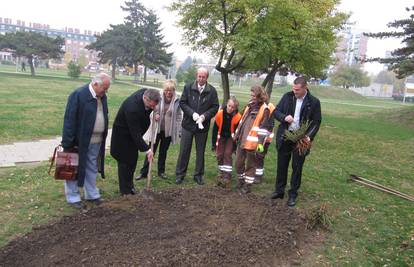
column 200, row 119
column 200, row 122
column 195, row 116
column 289, row 119
column 150, row 155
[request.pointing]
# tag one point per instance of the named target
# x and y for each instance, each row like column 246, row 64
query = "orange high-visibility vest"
column 253, row 137
column 271, row 109
column 219, row 121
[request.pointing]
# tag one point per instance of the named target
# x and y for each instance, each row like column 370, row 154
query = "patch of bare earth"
column 179, row 227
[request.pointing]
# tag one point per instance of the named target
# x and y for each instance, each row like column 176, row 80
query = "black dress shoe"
column 163, row 176
column 276, row 195
column 140, row 177
column 291, row 201
column 179, row 180
column 96, row 201
column 199, row 180
column 77, row 205
column 133, row 191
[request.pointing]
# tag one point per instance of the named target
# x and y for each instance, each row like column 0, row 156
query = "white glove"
column 195, row 116
column 200, row 122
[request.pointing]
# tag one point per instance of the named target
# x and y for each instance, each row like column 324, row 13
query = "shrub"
column 74, row 70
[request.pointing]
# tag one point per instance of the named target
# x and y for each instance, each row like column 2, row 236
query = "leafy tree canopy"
column 30, row 44
column 350, row 76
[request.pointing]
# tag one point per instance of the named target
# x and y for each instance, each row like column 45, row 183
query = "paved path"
column 25, row 152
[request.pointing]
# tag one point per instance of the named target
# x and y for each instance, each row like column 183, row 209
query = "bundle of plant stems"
column 299, row 137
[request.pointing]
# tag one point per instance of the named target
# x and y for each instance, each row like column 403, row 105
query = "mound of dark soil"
column 180, row 227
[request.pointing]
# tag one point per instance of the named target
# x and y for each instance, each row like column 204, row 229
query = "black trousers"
column 125, row 176
column 284, row 154
column 164, row 143
column 185, row 153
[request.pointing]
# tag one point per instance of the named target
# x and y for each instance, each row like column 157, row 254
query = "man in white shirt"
column 295, row 108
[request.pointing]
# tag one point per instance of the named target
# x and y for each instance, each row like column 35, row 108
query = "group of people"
column 148, row 116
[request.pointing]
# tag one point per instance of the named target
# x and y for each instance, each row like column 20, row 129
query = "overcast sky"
column 96, row 15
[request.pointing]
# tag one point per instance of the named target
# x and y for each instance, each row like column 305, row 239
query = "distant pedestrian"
column 131, row 123
column 251, row 134
column 199, row 103
column 23, row 66
column 222, row 140
column 294, row 108
column 85, row 127
column 168, row 117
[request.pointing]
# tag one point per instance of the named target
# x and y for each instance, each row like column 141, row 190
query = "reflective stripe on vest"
column 253, row 136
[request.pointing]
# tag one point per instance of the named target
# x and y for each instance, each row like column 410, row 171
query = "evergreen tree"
column 402, row 59
column 114, row 45
column 151, row 52
column 155, row 50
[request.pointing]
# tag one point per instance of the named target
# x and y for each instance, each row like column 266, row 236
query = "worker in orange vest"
column 226, row 122
column 258, row 178
column 253, row 129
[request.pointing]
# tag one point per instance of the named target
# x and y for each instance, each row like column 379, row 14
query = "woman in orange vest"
column 253, row 130
column 261, row 156
column 225, row 125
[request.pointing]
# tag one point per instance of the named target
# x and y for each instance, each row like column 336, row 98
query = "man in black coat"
column 295, row 108
column 131, row 123
column 85, row 127
column 199, row 103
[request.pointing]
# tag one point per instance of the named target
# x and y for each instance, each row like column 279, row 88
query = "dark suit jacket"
column 80, row 116
column 205, row 104
column 131, row 123
column 310, row 111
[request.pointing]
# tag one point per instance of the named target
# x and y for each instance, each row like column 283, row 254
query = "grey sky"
column 96, row 15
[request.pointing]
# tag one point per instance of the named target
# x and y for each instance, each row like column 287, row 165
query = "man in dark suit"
column 131, row 123
column 85, row 128
column 199, row 103
column 295, row 108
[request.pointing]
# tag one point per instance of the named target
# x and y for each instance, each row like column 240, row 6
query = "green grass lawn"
column 369, row 137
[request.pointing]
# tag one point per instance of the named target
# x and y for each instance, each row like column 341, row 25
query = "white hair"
column 202, row 69
column 100, row 77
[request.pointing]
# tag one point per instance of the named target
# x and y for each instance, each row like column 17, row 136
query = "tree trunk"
column 113, row 71
column 136, row 72
column 270, row 78
column 145, row 74
column 225, row 85
column 113, row 66
column 32, row 69
column 269, row 85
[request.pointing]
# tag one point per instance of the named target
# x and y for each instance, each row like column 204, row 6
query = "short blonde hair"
column 235, row 102
column 169, row 84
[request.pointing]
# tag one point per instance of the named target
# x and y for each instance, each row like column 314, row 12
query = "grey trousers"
column 91, row 170
column 185, row 153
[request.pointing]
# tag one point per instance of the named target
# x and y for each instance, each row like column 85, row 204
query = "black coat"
column 310, row 111
column 131, row 123
column 205, row 104
column 78, row 124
